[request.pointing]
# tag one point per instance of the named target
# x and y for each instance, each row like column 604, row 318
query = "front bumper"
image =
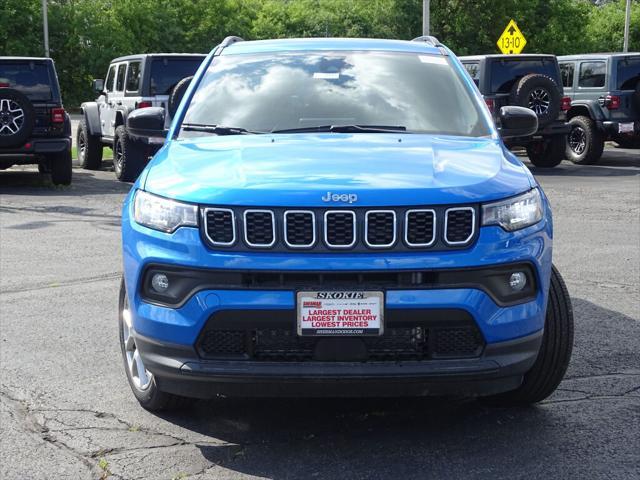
column 178, row 370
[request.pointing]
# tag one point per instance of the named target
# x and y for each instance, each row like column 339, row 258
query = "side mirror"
column 517, row 122
column 98, row 85
column 146, row 122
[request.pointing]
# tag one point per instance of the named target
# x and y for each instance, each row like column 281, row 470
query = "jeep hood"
column 299, row 169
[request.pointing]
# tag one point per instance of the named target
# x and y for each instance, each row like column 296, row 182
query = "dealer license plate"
column 625, row 127
column 340, row 313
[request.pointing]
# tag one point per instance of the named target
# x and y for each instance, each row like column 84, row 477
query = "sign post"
column 512, row 40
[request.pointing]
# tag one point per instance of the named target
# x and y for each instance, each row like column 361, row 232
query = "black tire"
column 129, row 155
column 177, row 93
column 636, row 96
column 61, row 168
column 89, row 148
column 585, row 142
column 150, row 398
column 540, row 93
column 548, row 152
column 555, row 352
column 17, row 117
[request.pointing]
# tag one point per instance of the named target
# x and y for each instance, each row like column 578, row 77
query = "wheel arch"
column 91, row 114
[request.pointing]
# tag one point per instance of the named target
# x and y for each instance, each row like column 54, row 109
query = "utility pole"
column 627, row 20
column 45, row 22
column 425, row 17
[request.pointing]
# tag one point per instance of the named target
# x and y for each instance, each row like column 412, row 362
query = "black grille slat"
column 219, row 225
column 339, row 229
column 300, row 229
column 259, row 228
column 381, row 228
column 459, row 225
column 221, row 343
column 420, row 227
column 396, row 344
column 456, row 342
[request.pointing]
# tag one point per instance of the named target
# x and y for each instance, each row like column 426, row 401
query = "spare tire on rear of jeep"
column 175, row 97
column 17, row 118
column 540, row 93
column 636, row 96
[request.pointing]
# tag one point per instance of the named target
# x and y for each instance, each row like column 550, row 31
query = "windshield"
column 167, row 71
column 307, row 90
column 30, row 78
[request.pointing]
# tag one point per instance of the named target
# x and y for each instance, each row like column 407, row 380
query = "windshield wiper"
column 217, row 129
column 346, row 129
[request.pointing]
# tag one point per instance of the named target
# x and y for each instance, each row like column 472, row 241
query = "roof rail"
column 230, row 40
column 428, row 39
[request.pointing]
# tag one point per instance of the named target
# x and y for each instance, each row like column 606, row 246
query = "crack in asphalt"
column 63, row 283
column 43, row 432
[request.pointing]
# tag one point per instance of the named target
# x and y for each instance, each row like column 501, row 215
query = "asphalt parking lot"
column 67, row 411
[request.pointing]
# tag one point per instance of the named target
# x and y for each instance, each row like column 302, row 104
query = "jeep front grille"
column 323, row 230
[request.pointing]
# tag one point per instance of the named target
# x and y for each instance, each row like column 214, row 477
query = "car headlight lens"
column 514, row 213
column 162, row 213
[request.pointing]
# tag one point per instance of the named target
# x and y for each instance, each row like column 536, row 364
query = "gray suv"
column 132, row 82
column 605, row 102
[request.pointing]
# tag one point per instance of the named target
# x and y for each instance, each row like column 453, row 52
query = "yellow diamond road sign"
column 512, row 40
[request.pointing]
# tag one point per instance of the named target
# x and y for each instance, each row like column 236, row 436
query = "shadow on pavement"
column 614, row 163
column 31, row 182
column 445, row 438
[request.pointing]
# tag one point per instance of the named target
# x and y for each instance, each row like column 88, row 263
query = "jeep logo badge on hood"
column 340, row 197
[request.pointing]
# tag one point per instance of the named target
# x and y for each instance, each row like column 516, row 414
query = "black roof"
column 597, row 55
column 501, row 56
column 27, row 59
column 144, row 55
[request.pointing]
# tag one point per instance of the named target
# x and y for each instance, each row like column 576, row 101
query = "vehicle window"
column 167, row 71
column 133, row 77
column 506, row 73
column 566, row 72
column 110, row 78
column 30, row 78
column 120, row 77
column 473, row 69
column 266, row 92
column 592, row 74
column 628, row 73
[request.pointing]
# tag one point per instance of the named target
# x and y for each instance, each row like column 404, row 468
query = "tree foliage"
column 86, row 34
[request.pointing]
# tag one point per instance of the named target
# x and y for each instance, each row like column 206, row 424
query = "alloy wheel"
column 578, row 140
column 539, row 101
column 140, row 376
column 11, row 117
column 82, row 146
column 119, row 154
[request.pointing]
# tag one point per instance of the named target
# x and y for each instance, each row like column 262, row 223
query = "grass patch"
column 107, row 154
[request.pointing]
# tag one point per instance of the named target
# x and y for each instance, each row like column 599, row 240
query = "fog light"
column 160, row 282
column 517, row 281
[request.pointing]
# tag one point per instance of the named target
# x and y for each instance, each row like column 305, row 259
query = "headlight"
column 163, row 214
column 514, row 213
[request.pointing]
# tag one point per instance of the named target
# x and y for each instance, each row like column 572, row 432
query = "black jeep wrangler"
column 605, row 102
column 134, row 81
column 531, row 81
column 34, row 127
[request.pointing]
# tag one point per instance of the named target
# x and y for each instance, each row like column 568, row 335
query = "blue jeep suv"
column 338, row 217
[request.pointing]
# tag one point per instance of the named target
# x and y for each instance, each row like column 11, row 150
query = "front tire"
column 547, row 153
column 555, row 352
column 129, row 156
column 142, row 382
column 585, row 142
